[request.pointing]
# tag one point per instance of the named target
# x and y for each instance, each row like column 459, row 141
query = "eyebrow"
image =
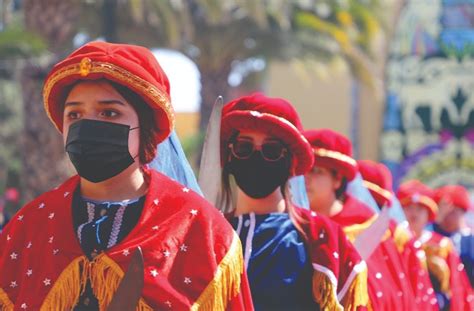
column 102, row 102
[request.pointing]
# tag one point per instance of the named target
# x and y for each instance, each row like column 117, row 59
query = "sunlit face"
column 98, row 100
column 453, row 220
column 417, row 217
column 321, row 186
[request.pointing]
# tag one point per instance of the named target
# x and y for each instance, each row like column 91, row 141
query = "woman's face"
column 321, row 186
column 417, row 217
column 98, row 100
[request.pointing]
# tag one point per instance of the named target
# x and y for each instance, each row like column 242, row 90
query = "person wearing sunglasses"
column 326, row 183
column 69, row 248
column 295, row 260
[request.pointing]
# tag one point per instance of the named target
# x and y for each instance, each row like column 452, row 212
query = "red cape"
column 414, row 262
column 389, row 288
column 339, row 275
column 445, row 265
column 192, row 256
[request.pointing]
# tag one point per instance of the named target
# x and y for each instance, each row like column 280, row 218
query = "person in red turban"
column 334, row 167
column 446, row 271
column 69, row 248
column 454, row 202
column 295, row 259
column 378, row 180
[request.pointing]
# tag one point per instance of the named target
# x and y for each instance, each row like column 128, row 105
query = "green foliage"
column 15, row 42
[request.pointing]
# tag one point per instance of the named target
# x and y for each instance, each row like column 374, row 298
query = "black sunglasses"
column 271, row 150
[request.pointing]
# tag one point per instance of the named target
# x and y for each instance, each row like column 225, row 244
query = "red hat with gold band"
column 132, row 66
column 273, row 116
column 455, row 195
column 332, row 150
column 415, row 192
column 378, row 179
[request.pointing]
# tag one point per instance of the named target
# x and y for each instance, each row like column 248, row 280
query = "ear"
column 337, row 180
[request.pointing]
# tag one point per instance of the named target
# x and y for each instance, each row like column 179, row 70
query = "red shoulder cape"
column 444, row 264
column 388, row 286
column 192, row 256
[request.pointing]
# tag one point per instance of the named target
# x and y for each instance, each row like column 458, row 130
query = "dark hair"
column 226, row 204
column 341, row 191
column 148, row 141
column 146, row 119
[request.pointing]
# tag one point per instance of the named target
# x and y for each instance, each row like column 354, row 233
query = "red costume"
column 389, row 289
column 192, row 257
column 445, row 267
column 339, row 280
column 378, row 179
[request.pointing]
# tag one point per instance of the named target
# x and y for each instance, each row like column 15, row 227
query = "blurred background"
column 395, row 76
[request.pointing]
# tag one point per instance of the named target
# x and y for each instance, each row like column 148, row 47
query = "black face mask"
column 98, row 150
column 258, row 177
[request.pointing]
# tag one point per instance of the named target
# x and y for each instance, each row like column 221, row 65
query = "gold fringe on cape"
column 5, row 303
column 357, row 294
column 104, row 274
column 401, row 237
column 226, row 282
column 324, row 292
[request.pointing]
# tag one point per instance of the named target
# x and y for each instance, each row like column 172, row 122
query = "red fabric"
column 410, row 192
column 172, row 217
column 455, row 195
column 378, row 174
column 273, row 116
column 414, row 263
column 461, row 292
column 329, row 248
column 332, row 141
column 388, row 289
column 142, row 70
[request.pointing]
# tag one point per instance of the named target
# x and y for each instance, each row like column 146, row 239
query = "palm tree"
column 218, row 33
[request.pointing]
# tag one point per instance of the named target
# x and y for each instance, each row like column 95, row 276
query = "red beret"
column 332, row 150
column 378, row 179
column 132, row 66
column 273, row 116
column 415, row 192
column 455, row 195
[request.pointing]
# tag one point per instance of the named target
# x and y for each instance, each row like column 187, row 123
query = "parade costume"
column 388, row 288
column 446, row 271
column 52, row 255
column 378, row 179
column 463, row 239
column 310, row 268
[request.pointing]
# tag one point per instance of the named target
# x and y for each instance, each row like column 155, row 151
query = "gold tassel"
column 226, row 282
column 401, row 238
column 324, row 292
column 5, row 303
column 439, row 268
column 67, row 289
column 105, row 276
column 357, row 295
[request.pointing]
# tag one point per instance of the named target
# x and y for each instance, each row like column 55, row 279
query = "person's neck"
column 330, row 209
column 274, row 203
column 128, row 184
column 449, row 230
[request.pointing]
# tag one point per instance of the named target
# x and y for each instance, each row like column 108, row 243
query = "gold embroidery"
column 376, row 188
column 334, row 155
column 157, row 96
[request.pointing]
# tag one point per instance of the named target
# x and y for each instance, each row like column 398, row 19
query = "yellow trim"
column 376, row 188
column 321, row 152
column 5, row 302
column 357, row 295
column 353, row 231
column 401, row 236
column 324, row 292
column 226, row 282
column 104, row 274
column 127, row 78
column 423, row 199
